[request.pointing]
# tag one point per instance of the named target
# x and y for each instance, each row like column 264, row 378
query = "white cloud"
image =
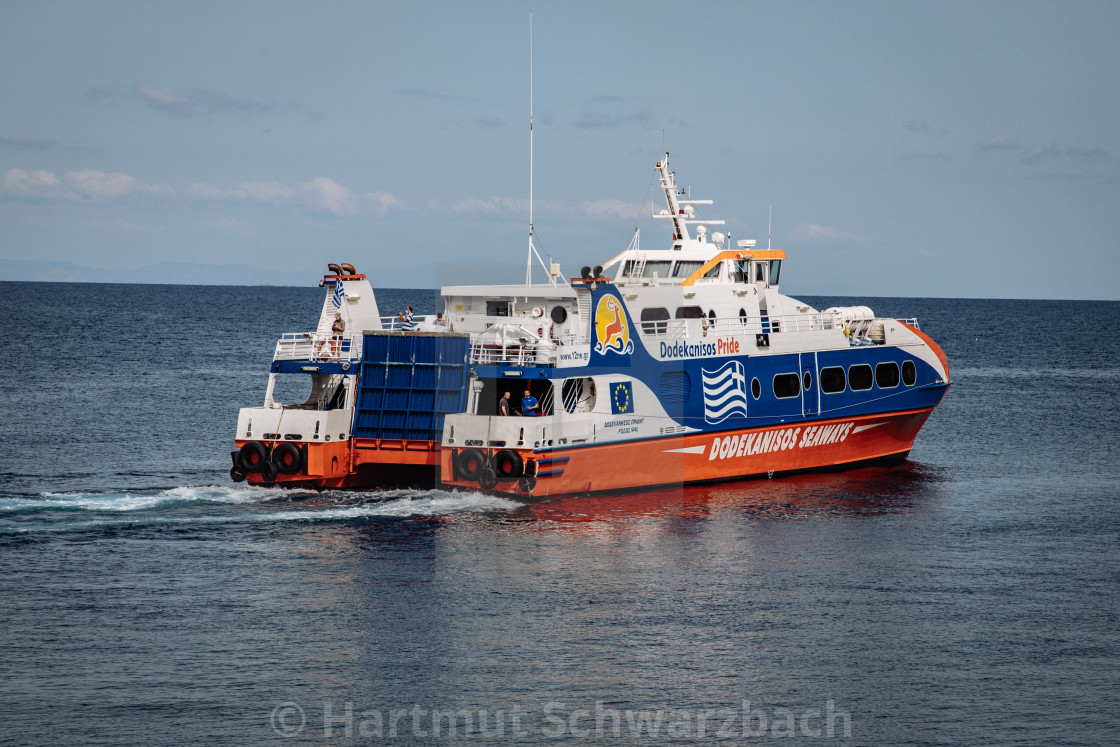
column 492, row 206
column 164, row 99
column 999, row 142
column 88, row 184
column 320, row 194
column 329, row 196
column 30, row 184
column 272, row 192
column 100, row 185
column 205, row 192
column 1034, row 154
column 383, row 202
column 813, row 233
column 610, row 206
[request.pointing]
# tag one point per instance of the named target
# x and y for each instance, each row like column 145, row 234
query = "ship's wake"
column 217, row 504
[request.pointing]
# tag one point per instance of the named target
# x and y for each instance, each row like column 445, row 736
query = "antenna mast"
column 529, row 255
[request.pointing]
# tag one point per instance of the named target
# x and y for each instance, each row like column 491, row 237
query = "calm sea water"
column 967, row 597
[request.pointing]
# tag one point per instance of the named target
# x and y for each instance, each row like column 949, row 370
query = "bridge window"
column 684, row 268
column 661, row 267
column 787, row 385
column 654, row 321
column 886, row 375
column 497, row 308
column 740, row 271
column 859, row 377
column 909, row 373
column 775, row 270
column 833, row 380
column 760, row 272
column 689, row 312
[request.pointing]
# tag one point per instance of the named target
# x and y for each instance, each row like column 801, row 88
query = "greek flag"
column 336, row 299
column 725, row 392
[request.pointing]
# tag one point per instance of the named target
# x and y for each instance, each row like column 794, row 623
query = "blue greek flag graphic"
column 725, row 392
column 336, row 299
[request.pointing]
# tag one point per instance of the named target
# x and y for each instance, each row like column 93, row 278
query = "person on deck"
column 503, row 405
column 529, row 406
column 406, row 317
column 337, row 328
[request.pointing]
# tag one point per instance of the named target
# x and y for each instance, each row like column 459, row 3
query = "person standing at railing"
column 406, row 318
column 337, row 328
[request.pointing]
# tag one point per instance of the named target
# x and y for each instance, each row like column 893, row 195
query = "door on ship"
column 810, row 401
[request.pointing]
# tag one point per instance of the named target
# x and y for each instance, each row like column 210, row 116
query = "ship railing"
column 420, row 323
column 523, row 353
column 736, row 326
column 303, row 346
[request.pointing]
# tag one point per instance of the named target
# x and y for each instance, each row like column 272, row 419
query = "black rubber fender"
column 268, row 473
column 488, row 479
column 527, row 483
column 508, row 465
column 251, row 457
column 469, row 463
column 237, row 474
column 287, row 458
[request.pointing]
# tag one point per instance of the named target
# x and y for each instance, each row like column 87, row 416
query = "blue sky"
column 926, row 149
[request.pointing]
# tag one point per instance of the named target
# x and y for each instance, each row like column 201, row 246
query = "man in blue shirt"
column 529, row 406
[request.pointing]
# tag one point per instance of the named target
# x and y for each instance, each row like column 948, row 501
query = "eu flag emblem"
column 622, row 398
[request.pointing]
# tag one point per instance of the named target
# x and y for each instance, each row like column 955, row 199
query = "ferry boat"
column 675, row 365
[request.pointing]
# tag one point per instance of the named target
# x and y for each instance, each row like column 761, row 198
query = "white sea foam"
column 141, row 500
column 395, row 504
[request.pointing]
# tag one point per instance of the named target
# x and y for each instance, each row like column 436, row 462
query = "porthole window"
column 559, row 314
column 787, row 385
column 909, row 373
column 886, row 375
column 807, row 381
column 756, row 389
column 859, row 377
column 833, row 380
